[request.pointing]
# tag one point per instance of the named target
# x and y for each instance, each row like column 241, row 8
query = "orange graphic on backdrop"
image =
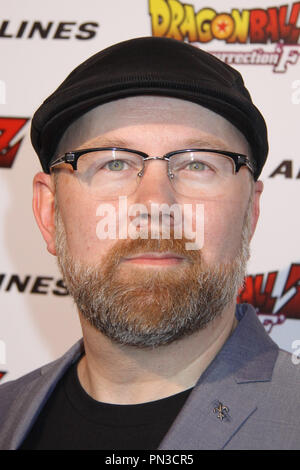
column 222, row 26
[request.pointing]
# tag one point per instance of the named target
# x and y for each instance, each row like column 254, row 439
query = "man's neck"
column 118, row 374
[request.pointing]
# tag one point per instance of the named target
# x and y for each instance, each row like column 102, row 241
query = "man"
column 168, row 359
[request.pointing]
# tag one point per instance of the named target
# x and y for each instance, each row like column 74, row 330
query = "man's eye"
column 115, row 165
column 197, row 166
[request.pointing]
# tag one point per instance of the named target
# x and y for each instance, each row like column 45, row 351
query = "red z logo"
column 9, row 128
column 254, row 294
column 2, row 374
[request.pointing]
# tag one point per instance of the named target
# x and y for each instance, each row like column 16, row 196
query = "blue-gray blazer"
column 248, row 397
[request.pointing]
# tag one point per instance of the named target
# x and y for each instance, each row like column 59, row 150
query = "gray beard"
column 150, row 308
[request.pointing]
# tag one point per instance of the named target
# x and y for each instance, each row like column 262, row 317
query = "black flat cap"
column 149, row 65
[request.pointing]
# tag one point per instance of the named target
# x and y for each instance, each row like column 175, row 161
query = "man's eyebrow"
column 213, row 143
column 109, row 142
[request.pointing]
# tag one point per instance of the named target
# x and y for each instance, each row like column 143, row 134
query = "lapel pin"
column 222, row 411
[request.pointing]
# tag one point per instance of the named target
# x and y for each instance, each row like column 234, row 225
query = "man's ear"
column 258, row 189
column 43, row 208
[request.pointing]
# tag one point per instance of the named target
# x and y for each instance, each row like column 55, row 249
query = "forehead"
column 138, row 115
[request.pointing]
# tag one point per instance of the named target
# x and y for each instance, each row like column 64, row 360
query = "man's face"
column 154, row 302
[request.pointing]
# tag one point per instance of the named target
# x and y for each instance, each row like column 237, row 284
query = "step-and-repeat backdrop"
column 40, row 43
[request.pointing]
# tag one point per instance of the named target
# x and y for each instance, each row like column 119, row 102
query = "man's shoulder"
column 22, row 399
column 31, row 383
column 274, row 424
column 278, row 400
column 11, row 388
column 286, row 372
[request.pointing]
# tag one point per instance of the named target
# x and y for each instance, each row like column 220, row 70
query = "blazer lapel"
column 200, row 424
column 226, row 394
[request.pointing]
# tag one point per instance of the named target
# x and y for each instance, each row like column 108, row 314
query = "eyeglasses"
column 110, row 172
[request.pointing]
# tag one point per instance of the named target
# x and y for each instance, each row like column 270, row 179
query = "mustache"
column 131, row 247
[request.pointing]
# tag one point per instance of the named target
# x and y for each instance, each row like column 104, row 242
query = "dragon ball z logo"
column 275, row 295
column 278, row 25
column 9, row 144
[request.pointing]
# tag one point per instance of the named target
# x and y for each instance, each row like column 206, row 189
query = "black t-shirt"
column 72, row 420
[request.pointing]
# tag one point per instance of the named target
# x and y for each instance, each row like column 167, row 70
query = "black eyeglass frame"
column 73, row 156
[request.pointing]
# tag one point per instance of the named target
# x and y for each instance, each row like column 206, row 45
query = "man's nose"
column 155, row 185
column 155, row 192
